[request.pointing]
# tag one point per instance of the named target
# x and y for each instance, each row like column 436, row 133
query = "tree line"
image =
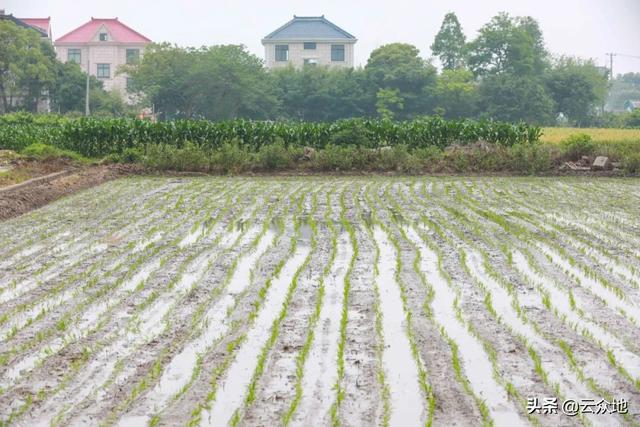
column 504, row 73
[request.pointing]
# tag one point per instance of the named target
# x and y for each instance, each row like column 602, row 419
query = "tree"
column 577, row 88
column 26, row 66
column 507, row 44
column 515, row 98
column 217, row 83
column 456, row 94
column 399, row 66
column 450, row 44
column 317, row 93
column 388, row 103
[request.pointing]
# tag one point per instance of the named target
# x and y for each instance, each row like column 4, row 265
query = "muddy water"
column 560, row 301
column 407, row 401
column 477, row 366
column 630, row 308
column 556, row 367
column 321, row 372
column 178, row 372
column 150, row 324
column 233, row 388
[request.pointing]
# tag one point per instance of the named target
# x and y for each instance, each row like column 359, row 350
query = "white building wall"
column 297, row 54
column 114, row 54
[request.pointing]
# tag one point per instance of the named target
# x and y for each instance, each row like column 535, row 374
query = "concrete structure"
column 309, row 40
column 102, row 46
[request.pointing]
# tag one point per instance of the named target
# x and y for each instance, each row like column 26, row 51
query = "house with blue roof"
column 310, row 41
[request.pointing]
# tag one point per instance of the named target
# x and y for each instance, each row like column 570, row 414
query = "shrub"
column 334, row 157
column 631, row 163
column 578, row 145
column 274, row 156
column 531, row 158
column 353, row 133
column 230, row 158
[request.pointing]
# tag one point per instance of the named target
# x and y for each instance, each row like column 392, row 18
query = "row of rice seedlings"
column 57, row 216
column 146, row 300
column 200, row 322
column 344, row 318
column 595, row 217
column 49, row 270
column 90, row 281
column 601, row 223
column 569, row 291
column 528, row 337
column 508, row 386
column 275, row 330
column 580, row 273
column 381, row 375
column 88, row 278
column 155, row 418
column 234, row 345
column 241, row 381
column 396, row 218
column 577, row 369
column 565, row 309
column 109, row 223
column 489, row 350
column 590, row 249
column 158, row 367
column 143, row 384
column 303, row 354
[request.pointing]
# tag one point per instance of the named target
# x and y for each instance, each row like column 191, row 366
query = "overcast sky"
column 586, row 28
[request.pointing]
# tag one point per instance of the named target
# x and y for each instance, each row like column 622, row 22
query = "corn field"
column 94, row 137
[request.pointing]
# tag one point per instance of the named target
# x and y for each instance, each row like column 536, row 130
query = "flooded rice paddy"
column 323, row 301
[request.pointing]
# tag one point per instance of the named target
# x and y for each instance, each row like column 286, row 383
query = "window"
column 310, row 61
column 337, row 52
column 129, row 84
column 282, row 52
column 309, row 46
column 73, row 55
column 103, row 37
column 103, row 71
column 133, row 56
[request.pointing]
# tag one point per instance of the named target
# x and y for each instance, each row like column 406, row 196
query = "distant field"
column 555, row 135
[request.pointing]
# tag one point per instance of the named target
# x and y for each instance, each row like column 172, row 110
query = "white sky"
column 586, row 28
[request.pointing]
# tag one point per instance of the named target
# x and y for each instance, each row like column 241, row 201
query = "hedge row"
column 94, row 137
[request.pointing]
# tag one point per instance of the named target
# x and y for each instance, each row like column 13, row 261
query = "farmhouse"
column 631, row 105
column 43, row 27
column 101, row 46
column 309, row 40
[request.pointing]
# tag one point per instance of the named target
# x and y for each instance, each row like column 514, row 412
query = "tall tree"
column 513, row 98
column 456, row 94
column 508, row 44
column 217, row 83
column 399, row 66
column 577, row 87
column 26, row 66
column 450, row 44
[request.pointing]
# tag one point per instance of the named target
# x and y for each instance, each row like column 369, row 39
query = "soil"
column 17, row 199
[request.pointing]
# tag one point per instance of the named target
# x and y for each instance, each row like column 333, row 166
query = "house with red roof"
column 101, row 46
column 41, row 25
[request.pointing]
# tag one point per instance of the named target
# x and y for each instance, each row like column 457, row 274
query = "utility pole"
column 86, row 98
column 611, row 55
